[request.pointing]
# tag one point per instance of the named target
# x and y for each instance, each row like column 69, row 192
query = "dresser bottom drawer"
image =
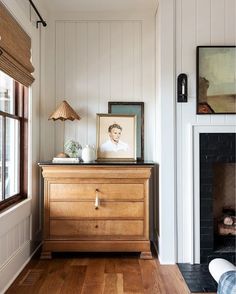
column 80, row 229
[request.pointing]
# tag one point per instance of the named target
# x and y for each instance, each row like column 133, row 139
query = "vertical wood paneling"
column 217, row 22
column 178, row 32
column 116, row 60
column 81, row 83
column 10, row 241
column 128, row 60
column 137, row 61
column 179, row 171
column 105, row 66
column 27, row 229
column 189, row 44
column 198, row 22
column 230, row 38
column 203, row 24
column 93, row 79
column 3, row 255
column 166, row 117
column 70, row 75
column 230, row 22
column 203, row 36
column 59, row 82
column 21, row 233
column 148, row 86
column 47, row 97
column 188, row 109
column 14, row 239
column 218, row 38
column 96, row 62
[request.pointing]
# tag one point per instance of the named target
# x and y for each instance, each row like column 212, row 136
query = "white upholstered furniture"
column 219, row 266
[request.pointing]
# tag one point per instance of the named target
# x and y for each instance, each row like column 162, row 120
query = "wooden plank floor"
column 98, row 274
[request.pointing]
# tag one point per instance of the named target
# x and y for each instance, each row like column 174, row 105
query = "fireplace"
column 217, row 196
column 214, row 199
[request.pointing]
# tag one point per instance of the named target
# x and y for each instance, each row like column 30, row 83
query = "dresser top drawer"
column 88, row 191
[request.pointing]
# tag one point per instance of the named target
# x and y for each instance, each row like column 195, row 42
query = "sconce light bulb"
column 183, row 87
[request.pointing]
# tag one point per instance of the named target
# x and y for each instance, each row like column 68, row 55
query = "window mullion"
column 3, row 155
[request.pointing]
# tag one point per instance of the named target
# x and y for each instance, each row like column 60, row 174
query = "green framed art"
column 136, row 108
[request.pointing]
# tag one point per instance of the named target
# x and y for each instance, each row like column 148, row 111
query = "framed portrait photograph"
column 136, row 108
column 116, row 137
column 216, row 79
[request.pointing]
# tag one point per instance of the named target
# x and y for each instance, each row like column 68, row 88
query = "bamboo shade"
column 15, row 49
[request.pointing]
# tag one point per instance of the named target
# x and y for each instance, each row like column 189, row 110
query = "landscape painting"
column 216, row 79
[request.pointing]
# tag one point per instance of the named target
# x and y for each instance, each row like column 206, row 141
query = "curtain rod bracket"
column 42, row 21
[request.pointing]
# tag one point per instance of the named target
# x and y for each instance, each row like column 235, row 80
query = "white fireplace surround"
column 194, row 185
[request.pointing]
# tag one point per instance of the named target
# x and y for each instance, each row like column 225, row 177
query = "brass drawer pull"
column 97, row 201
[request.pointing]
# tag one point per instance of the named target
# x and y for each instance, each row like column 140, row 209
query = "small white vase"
column 88, row 154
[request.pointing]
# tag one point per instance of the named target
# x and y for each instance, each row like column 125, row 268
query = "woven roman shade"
column 15, row 49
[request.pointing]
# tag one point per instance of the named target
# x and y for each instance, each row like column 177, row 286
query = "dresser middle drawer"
column 111, row 209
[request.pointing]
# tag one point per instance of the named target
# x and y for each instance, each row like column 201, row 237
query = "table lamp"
column 64, row 112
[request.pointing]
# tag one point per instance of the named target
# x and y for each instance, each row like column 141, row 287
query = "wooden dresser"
column 96, row 207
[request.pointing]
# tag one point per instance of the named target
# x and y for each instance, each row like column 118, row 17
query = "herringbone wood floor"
column 98, row 274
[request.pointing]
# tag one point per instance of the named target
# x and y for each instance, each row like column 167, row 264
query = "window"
column 13, row 141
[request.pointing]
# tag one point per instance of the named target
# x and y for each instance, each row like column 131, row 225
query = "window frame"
column 20, row 96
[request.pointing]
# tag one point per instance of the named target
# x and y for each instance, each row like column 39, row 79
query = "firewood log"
column 228, row 220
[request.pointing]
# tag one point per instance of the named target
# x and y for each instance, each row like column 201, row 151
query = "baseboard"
column 10, row 270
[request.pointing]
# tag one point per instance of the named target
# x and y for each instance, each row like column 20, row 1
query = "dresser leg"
column 46, row 255
column 146, row 255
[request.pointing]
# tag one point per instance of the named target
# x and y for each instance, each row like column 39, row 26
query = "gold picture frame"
column 116, row 137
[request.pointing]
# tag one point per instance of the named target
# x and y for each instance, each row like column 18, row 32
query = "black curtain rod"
column 42, row 21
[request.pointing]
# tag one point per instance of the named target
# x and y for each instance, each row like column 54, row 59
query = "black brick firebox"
column 214, row 148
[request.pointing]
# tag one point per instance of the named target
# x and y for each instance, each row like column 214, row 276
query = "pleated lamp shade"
column 64, row 112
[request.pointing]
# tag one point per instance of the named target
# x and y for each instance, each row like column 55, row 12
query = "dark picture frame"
column 136, row 108
column 216, row 90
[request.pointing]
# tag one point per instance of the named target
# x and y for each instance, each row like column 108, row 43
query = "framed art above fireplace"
column 216, row 79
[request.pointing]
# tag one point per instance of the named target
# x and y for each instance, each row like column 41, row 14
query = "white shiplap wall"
column 99, row 59
column 198, row 22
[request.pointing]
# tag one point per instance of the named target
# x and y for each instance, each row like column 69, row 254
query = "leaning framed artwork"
column 216, row 79
column 136, row 108
column 116, row 137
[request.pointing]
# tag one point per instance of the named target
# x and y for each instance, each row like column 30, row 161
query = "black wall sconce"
column 182, row 88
